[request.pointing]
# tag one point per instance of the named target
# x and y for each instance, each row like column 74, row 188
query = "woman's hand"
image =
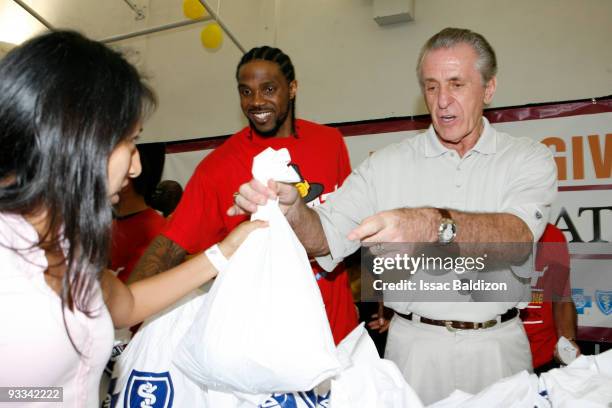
column 146, row 297
column 231, row 243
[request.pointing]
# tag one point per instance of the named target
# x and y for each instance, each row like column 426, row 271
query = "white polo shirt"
column 501, row 173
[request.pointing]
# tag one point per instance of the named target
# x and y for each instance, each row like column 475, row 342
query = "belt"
column 454, row 324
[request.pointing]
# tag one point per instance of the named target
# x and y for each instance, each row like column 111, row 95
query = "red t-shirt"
column 552, row 265
column 131, row 237
column 200, row 220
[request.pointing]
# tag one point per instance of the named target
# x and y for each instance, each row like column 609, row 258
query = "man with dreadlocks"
column 267, row 89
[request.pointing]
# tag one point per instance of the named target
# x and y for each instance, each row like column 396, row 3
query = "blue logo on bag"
column 309, row 399
column 148, row 390
column 314, row 400
column 604, row 301
column 115, row 353
column 580, row 300
column 280, row 401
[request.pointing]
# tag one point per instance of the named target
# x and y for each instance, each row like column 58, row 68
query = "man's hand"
column 399, row 225
column 557, row 357
column 304, row 221
column 254, row 193
column 381, row 320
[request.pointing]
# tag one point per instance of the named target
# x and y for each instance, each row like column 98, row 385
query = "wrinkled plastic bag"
column 308, row 399
column 367, row 380
column 520, row 390
column 144, row 376
column 586, row 382
column 263, row 328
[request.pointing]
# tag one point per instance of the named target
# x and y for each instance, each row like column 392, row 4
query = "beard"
column 280, row 121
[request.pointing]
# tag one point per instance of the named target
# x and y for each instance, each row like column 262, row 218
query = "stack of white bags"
column 585, row 383
column 260, row 339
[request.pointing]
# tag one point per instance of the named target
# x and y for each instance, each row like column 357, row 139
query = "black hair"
column 166, row 197
column 152, row 159
column 65, row 103
column 281, row 59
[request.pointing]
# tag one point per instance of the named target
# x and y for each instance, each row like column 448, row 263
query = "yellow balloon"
column 193, row 9
column 212, row 36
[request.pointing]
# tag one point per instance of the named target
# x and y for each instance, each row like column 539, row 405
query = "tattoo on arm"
column 161, row 255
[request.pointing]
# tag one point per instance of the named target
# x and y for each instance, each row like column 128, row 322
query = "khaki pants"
column 436, row 361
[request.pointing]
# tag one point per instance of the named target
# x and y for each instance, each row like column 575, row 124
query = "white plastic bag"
column 144, row 376
column 586, row 382
column 367, row 380
column 263, row 329
column 520, row 390
column 309, row 399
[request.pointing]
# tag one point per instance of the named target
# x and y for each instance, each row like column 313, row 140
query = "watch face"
column 448, row 233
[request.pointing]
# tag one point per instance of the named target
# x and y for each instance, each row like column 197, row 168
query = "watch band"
column 446, row 222
column 216, row 258
column 444, row 213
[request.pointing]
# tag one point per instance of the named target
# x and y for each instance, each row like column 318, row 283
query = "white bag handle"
column 274, row 165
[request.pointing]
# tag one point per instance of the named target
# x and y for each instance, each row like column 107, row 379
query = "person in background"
column 551, row 313
column 136, row 223
column 267, row 89
column 71, row 110
column 166, row 197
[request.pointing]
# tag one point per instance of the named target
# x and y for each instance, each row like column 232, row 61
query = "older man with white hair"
column 460, row 182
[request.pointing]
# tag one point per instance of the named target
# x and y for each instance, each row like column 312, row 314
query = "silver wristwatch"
column 447, row 231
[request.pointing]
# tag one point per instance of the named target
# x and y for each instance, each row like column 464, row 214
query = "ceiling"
column 97, row 19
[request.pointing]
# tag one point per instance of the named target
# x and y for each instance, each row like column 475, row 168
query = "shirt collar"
column 252, row 133
column 485, row 145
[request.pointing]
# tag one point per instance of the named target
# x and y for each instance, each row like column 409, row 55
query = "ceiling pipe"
column 211, row 16
column 34, row 14
column 140, row 15
column 153, row 30
column 214, row 15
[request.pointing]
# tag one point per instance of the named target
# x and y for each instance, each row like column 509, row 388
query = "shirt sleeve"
column 196, row 223
column 532, row 188
column 343, row 211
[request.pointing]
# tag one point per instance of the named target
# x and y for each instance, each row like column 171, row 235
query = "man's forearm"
column 491, row 227
column 161, row 255
column 501, row 236
column 307, row 226
column 565, row 316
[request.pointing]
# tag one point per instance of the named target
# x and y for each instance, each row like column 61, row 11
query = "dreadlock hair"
column 281, row 59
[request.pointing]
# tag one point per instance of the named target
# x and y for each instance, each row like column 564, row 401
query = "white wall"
column 349, row 68
column 197, row 87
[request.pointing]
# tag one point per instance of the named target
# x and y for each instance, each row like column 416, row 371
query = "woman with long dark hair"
column 70, row 112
